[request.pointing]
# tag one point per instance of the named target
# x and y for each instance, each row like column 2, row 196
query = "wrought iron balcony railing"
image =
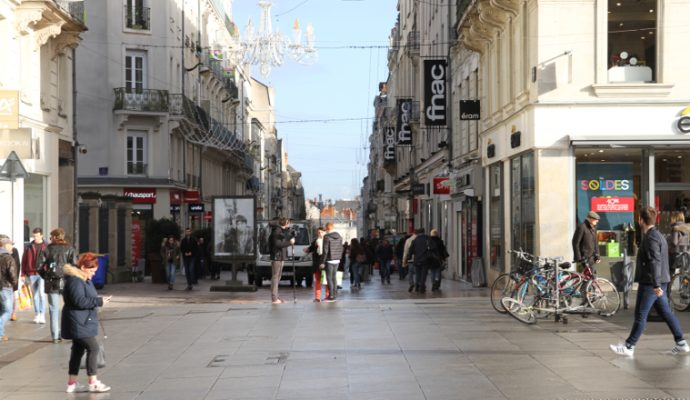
column 148, row 100
column 137, row 168
column 138, row 17
column 74, row 8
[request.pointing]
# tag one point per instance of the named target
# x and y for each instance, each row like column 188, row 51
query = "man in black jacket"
column 652, row 275
column 418, row 250
column 330, row 258
column 189, row 250
column 278, row 243
column 585, row 243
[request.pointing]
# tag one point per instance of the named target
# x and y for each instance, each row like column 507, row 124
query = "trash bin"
column 99, row 278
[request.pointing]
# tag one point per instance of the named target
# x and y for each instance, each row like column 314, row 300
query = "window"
column 136, row 153
column 135, row 67
column 522, row 202
column 496, row 216
column 137, row 16
column 632, row 32
column 34, row 204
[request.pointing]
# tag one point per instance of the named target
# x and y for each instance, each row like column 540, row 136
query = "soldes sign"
column 435, row 92
column 404, row 107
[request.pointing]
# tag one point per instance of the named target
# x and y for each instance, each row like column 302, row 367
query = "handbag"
column 23, row 297
column 100, row 360
column 324, row 281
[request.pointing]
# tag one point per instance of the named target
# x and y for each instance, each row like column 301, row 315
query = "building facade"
column 37, row 151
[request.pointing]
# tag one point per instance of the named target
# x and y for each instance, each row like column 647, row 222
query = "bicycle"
column 508, row 282
column 679, row 288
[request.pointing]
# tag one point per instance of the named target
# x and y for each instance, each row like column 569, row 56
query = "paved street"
column 380, row 343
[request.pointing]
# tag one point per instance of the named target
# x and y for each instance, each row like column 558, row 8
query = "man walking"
column 278, row 248
column 418, row 250
column 30, row 266
column 189, row 250
column 330, row 259
column 407, row 254
column 652, row 275
column 8, row 280
column 585, row 243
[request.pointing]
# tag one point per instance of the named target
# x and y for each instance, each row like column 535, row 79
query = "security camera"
column 83, row 150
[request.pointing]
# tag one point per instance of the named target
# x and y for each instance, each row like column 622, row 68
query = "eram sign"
column 684, row 120
column 435, row 92
column 403, row 128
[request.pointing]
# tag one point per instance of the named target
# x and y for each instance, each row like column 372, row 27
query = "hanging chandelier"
column 267, row 48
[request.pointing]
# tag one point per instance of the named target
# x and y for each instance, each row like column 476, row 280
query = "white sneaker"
column 622, row 349
column 681, row 348
column 98, row 387
column 77, row 388
column 41, row 319
column 36, row 318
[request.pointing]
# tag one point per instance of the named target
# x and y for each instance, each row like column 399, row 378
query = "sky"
column 352, row 38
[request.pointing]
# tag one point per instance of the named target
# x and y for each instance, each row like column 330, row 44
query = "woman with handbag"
column 80, row 322
column 57, row 254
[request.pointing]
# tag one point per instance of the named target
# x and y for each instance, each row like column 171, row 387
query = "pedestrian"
column 407, row 254
column 17, row 272
column 58, row 253
column 8, row 280
column 330, row 259
column 189, row 250
column 399, row 256
column 437, row 246
column 341, row 266
column 418, row 250
column 585, row 242
column 384, row 255
column 203, row 258
column 170, row 253
column 652, row 276
column 30, row 266
column 80, row 322
column 316, row 249
column 358, row 259
column 278, row 242
column 680, row 237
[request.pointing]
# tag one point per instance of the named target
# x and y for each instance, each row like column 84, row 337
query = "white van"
column 301, row 261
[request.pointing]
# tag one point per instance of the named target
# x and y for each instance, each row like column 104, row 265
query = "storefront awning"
column 615, row 141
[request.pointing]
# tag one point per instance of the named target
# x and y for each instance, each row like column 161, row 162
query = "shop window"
column 34, row 204
column 522, row 202
column 632, row 37
column 672, row 184
column 496, row 217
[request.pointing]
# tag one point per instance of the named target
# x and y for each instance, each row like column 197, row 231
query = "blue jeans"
column 421, row 272
column 331, row 269
column 170, row 272
column 6, row 304
column 54, row 309
column 411, row 273
column 385, row 270
column 646, row 299
column 189, row 269
column 37, row 289
column 436, row 274
column 357, row 271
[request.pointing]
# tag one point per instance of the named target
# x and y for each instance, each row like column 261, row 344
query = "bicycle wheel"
column 502, row 287
column 520, row 306
column 679, row 292
column 602, row 296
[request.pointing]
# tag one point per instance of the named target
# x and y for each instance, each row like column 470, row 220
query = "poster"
column 233, row 227
column 608, row 191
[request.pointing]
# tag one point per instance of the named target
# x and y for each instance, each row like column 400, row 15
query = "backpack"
column 431, row 254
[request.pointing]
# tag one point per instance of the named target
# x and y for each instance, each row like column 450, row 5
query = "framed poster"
column 234, row 224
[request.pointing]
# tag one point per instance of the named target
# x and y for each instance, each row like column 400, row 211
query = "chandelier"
column 267, row 48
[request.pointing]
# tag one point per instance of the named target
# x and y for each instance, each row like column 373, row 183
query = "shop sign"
column 441, row 186
column 174, row 208
column 404, row 107
column 17, row 140
column 613, row 204
column 9, row 109
column 389, row 149
column 175, row 197
column 469, row 110
column 418, row 189
column 195, row 207
column 208, row 216
column 435, row 92
column 141, row 195
column 684, row 121
column 191, row 196
column 462, row 181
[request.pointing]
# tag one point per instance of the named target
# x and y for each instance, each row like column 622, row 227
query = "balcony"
column 74, row 8
column 138, row 18
column 137, row 168
column 144, row 100
column 413, row 42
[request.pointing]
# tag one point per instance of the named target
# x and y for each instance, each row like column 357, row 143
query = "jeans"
column 276, row 274
column 421, row 271
column 436, row 275
column 38, row 290
column 385, row 270
column 54, row 309
column 189, row 270
column 170, row 272
column 411, row 274
column 6, row 304
column 646, row 299
column 357, row 271
column 401, row 271
column 331, row 269
column 79, row 346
